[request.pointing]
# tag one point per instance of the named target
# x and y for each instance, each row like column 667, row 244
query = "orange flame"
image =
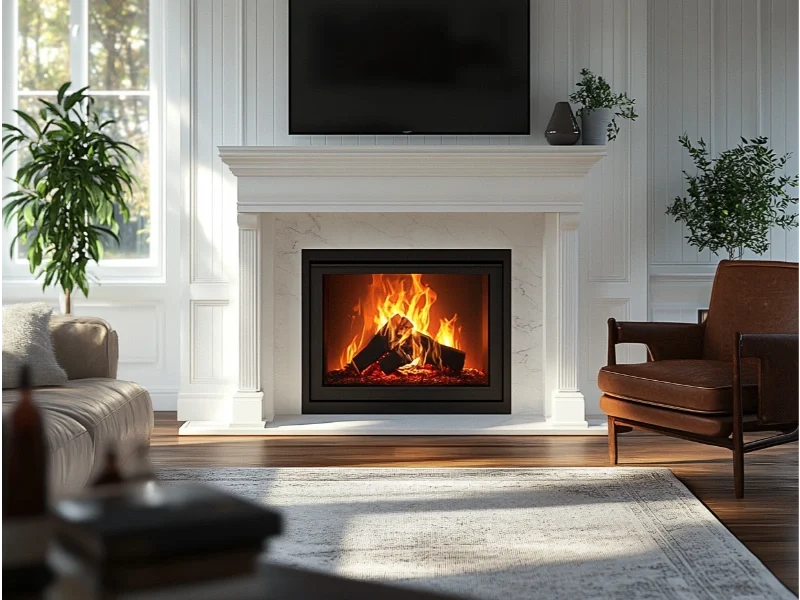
column 409, row 297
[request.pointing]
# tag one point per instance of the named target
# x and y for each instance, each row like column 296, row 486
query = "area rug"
column 504, row 533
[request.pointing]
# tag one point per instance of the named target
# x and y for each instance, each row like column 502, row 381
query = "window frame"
column 150, row 269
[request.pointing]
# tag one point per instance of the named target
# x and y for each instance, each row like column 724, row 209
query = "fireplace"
column 406, row 331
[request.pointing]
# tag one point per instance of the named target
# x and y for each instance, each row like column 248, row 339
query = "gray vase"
column 595, row 126
column 562, row 129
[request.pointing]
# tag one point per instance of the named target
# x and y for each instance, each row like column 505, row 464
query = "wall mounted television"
column 409, row 67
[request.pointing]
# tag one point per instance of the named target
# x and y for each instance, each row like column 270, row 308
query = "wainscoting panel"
column 599, row 311
column 207, row 331
column 140, row 326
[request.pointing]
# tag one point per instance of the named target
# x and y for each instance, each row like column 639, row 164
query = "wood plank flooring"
column 766, row 520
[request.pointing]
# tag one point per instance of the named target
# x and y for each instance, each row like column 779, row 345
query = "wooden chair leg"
column 738, row 469
column 612, row 441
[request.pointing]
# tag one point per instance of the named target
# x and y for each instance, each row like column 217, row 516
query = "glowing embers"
column 402, row 338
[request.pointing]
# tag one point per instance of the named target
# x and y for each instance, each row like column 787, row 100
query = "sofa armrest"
column 777, row 355
column 85, row 346
column 664, row 341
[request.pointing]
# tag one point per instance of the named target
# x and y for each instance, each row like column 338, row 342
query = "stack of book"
column 136, row 536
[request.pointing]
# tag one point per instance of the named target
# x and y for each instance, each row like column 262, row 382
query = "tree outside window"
column 117, row 69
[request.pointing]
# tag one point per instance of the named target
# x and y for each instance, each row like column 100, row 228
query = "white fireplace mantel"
column 482, row 179
column 411, row 178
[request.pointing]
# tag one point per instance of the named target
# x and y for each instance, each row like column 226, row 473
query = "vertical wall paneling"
column 728, row 69
column 265, row 72
column 280, row 54
column 249, row 72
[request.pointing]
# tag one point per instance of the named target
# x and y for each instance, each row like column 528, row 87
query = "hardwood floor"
column 766, row 520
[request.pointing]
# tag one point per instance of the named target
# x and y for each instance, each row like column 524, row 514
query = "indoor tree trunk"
column 735, row 253
column 66, row 307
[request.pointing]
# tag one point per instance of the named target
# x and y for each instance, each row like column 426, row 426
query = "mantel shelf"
column 411, row 161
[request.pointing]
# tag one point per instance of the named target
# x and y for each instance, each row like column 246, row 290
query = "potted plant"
column 600, row 109
column 72, row 182
column 735, row 199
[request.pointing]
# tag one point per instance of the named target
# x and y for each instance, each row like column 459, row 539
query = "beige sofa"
column 94, row 411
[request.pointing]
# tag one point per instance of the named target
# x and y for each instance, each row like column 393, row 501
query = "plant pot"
column 562, row 129
column 594, row 126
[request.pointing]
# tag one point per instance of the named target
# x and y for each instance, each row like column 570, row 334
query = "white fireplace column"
column 248, row 398
column 562, row 314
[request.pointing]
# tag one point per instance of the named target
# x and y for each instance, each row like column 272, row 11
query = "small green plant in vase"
column 600, row 109
column 734, row 200
column 71, row 184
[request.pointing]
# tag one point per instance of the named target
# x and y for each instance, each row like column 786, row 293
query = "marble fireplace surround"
column 297, row 192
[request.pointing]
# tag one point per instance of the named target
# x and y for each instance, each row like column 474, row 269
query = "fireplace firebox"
column 406, row 331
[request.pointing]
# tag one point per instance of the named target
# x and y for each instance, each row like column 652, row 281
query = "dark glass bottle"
column 26, row 495
column 26, row 524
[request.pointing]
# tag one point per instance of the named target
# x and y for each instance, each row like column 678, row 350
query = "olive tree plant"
column 594, row 93
column 72, row 182
column 734, row 200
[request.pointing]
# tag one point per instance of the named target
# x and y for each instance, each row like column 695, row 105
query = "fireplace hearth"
column 406, row 331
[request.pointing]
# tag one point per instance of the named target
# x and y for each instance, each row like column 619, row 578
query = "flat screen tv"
column 409, row 67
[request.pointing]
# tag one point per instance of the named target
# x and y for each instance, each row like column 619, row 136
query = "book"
column 79, row 573
column 147, row 521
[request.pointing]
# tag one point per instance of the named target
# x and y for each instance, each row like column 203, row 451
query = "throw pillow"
column 26, row 340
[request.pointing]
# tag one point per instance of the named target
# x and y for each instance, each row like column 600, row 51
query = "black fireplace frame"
column 494, row 398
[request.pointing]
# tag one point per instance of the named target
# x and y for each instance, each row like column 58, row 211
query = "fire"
column 405, row 295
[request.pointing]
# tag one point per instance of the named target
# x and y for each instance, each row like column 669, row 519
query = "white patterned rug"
column 600, row 533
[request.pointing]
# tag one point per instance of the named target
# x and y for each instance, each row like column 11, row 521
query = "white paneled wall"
column 237, row 58
column 718, row 69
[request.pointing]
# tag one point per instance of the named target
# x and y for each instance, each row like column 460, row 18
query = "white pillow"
column 26, row 340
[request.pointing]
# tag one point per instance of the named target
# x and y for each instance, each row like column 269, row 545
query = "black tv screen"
column 409, row 67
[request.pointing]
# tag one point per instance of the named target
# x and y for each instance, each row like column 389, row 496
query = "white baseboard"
column 164, row 399
column 395, row 425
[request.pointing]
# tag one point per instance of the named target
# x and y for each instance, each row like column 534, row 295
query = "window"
column 104, row 44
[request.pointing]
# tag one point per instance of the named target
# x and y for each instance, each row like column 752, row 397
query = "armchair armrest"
column 85, row 346
column 777, row 374
column 664, row 341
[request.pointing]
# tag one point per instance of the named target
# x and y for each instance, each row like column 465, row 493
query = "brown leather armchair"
column 735, row 372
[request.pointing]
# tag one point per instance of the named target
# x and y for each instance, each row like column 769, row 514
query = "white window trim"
column 134, row 271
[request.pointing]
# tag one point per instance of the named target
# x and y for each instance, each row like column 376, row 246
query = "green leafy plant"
column 736, row 198
column 72, row 181
column 595, row 92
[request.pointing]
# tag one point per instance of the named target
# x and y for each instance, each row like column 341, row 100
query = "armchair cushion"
column 700, row 386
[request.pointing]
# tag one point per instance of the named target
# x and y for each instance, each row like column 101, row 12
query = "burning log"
column 392, row 348
column 393, row 360
column 388, row 337
column 439, row 355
